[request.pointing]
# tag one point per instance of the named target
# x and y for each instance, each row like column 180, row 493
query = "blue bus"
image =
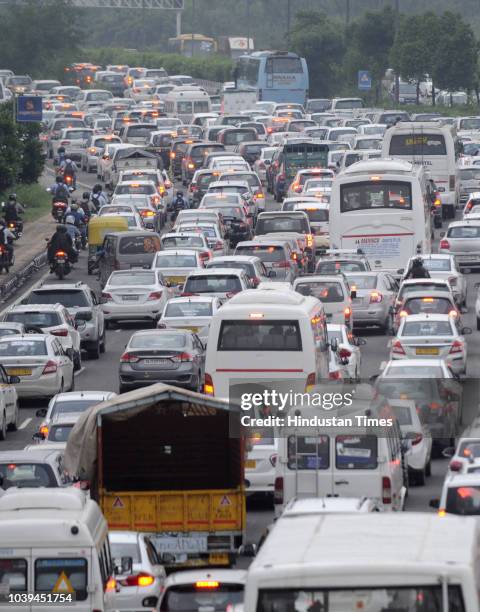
column 277, row 76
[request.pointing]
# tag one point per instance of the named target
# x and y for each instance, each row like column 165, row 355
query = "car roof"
column 77, row 395
column 322, row 505
column 419, row 281
column 193, row 298
column 174, row 252
column 465, row 222
column 48, row 337
column 61, row 287
column 240, row 258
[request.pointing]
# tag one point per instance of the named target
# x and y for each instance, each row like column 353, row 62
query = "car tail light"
column 207, row 584
column 92, row 150
column 218, row 245
column 193, row 187
column 138, row 580
column 309, row 238
column 128, row 358
column 155, row 295
column 183, row 357
column 59, row 332
column 50, row 367
column 105, row 297
column 173, row 155
column 403, row 313
column 375, row 297
column 444, row 244
column 344, row 353
column 397, row 348
column 208, row 387
column 297, row 187
column 278, row 491
column 273, row 459
column 417, row 439
column 457, row 347
column 386, row 490
column 453, row 313
column 336, row 375
column 204, row 256
column 347, row 311
column 191, row 166
column 455, row 466
column 110, row 586
column 155, row 199
column 311, row 379
column 255, row 281
column 452, row 281
column 451, row 182
column 64, row 142
column 168, row 184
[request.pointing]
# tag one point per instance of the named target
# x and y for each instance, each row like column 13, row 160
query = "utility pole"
column 288, row 25
column 193, row 27
column 248, row 26
column 347, row 12
column 397, row 76
column 144, row 26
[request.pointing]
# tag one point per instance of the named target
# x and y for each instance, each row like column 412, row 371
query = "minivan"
column 125, row 250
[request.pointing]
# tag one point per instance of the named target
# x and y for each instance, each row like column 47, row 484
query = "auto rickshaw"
column 97, row 228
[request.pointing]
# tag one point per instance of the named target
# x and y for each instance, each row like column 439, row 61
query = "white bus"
column 382, row 206
column 430, row 145
column 184, row 102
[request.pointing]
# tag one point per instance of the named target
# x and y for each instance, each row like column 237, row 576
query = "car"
column 276, row 255
column 444, row 266
column 38, row 363
column 299, row 180
column 464, row 457
column 105, row 161
column 66, row 403
column 344, row 260
column 32, row 469
column 253, row 181
column 219, row 282
column 260, row 166
column 134, row 295
column 94, row 150
column 82, row 304
column 193, row 313
column 427, row 302
column 143, row 187
column 220, row 589
column 375, row 294
column 419, row 437
column 187, row 240
column 317, row 212
column 347, row 348
column 175, row 357
column 134, row 220
column 199, row 185
column 176, row 264
column 59, row 430
column 9, row 414
column 240, row 187
column 253, row 266
column 74, row 140
column 212, row 200
column 460, row 495
column 7, row 329
column 414, row 285
column 462, row 240
column 215, row 236
column 431, row 335
column 333, row 291
column 140, row 576
column 52, row 319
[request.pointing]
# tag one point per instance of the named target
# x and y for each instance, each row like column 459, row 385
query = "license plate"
column 163, row 362
column 181, row 544
column 250, row 464
column 130, row 298
column 427, row 351
column 218, row 559
column 19, row 371
column 175, row 280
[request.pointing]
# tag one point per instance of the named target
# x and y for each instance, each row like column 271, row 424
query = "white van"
column 184, row 102
column 334, row 293
column 266, row 337
column 54, row 543
column 374, row 562
column 340, row 458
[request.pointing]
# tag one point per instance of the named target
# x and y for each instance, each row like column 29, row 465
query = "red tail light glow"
column 397, row 348
column 128, row 358
column 444, row 244
column 386, row 490
column 50, row 368
column 278, row 491
column 208, row 387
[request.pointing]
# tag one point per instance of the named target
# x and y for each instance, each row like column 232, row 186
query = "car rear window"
column 188, row 597
column 24, row 474
column 403, row 415
column 431, row 305
column 213, row 284
column 189, row 309
column 248, row 268
column 332, row 267
column 463, row 500
column 324, row 291
column 317, row 215
column 141, row 189
column 136, row 278
column 427, row 328
column 22, row 348
column 464, row 231
column 125, row 549
column 68, row 298
column 59, row 433
column 157, row 341
column 40, row 319
column 269, row 225
column 175, row 260
column 362, row 282
column 199, row 151
column 308, row 452
column 140, row 131
column 134, row 245
column 182, row 241
column 356, row 452
column 255, row 335
column 268, row 254
column 49, row 571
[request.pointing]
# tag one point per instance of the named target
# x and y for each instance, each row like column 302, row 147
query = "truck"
column 169, row 462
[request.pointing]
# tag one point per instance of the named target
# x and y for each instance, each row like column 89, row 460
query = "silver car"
column 462, row 240
column 193, row 313
column 374, row 299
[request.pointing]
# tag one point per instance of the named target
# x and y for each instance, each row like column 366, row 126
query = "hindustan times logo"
column 277, row 400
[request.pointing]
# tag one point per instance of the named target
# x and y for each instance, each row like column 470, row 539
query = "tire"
column 77, row 361
column 14, row 426
column 60, row 273
column 72, row 386
column 103, row 343
column 420, row 478
column 94, row 353
column 428, row 469
column 3, row 428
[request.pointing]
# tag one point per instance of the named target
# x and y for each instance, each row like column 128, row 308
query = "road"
column 102, row 375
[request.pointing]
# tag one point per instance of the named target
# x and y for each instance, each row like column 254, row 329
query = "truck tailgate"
column 175, row 511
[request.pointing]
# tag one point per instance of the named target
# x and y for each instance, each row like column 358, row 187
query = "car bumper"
column 45, row 386
column 133, row 311
column 370, row 316
column 457, row 363
column 259, row 482
column 89, row 334
column 135, row 379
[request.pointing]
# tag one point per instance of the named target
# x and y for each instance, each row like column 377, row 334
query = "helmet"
column 59, row 179
column 12, row 196
column 179, row 193
column 70, row 219
column 74, row 206
column 85, row 195
column 97, row 188
column 418, row 261
column 60, row 227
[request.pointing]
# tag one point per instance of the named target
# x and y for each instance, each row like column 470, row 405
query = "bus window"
column 418, row 145
column 381, row 194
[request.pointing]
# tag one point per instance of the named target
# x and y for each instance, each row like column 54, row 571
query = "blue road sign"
column 29, row 108
column 364, row 79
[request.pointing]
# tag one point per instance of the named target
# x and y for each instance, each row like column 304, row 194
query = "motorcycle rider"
column 178, row 205
column 6, row 238
column 99, row 198
column 13, row 210
column 417, row 270
column 79, row 220
column 59, row 190
column 60, row 241
column 70, row 168
column 61, row 153
column 72, row 230
column 87, row 205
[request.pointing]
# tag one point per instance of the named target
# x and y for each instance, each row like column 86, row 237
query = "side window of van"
column 356, row 452
column 13, row 572
column 105, row 562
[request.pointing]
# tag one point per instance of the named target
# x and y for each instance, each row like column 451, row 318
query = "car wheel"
column 428, row 468
column 14, row 426
column 94, row 353
column 3, row 428
column 77, row 361
column 103, row 343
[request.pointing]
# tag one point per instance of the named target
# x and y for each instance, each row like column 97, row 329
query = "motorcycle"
column 61, row 265
column 5, row 260
column 16, row 228
column 58, row 210
column 69, row 182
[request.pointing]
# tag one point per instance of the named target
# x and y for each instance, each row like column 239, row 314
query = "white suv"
column 54, row 319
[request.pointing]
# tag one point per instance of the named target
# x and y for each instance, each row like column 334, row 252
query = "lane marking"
column 78, row 372
column 25, row 423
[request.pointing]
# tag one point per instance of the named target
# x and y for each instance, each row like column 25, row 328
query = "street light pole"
column 193, row 27
column 288, row 25
column 248, row 26
column 397, row 76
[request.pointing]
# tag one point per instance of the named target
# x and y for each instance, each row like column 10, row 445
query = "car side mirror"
column 13, row 380
column 272, row 274
column 466, row 331
column 334, row 345
column 123, row 565
column 448, row 452
column 373, row 378
column 434, row 503
column 41, row 413
column 360, row 342
column 180, row 288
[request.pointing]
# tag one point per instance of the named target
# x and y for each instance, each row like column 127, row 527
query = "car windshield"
column 157, row 341
column 362, row 282
column 325, row 291
column 70, row 298
column 213, row 284
column 427, row 328
column 333, row 266
column 24, row 474
column 59, row 433
column 189, row 309
column 191, row 598
column 463, row 500
column 175, row 260
column 40, row 319
column 183, row 241
column 80, row 405
column 469, row 448
column 431, row 305
column 132, row 279
column 257, row 335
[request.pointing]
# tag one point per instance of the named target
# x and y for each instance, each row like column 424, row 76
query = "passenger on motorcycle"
column 99, row 198
column 6, row 238
column 13, row 210
column 79, row 220
column 87, row 205
column 69, row 169
column 72, row 230
column 59, row 191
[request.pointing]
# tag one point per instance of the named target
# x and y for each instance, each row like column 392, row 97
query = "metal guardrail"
column 19, row 278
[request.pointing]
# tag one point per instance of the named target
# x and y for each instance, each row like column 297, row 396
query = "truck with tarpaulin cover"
column 293, row 156
column 169, row 462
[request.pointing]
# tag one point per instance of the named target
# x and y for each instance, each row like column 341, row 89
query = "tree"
column 316, row 38
column 370, row 40
column 456, row 54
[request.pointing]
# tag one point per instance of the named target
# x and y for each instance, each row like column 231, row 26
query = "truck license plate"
column 181, row 544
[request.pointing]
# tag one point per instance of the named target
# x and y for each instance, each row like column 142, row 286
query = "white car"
column 175, row 264
column 223, row 283
column 94, row 150
column 460, row 495
column 137, row 294
column 39, row 363
column 194, row 313
column 416, row 368
column 419, row 438
column 74, row 141
column 211, row 231
column 261, row 461
column 347, row 348
column 140, row 576
column 265, row 159
column 52, row 319
column 60, row 428
column 431, row 335
column 202, row 589
column 8, row 403
column 134, row 220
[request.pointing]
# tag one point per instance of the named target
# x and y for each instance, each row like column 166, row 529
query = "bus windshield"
column 378, row 194
column 418, row 144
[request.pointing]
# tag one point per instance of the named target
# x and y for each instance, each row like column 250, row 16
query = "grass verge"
column 34, row 197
